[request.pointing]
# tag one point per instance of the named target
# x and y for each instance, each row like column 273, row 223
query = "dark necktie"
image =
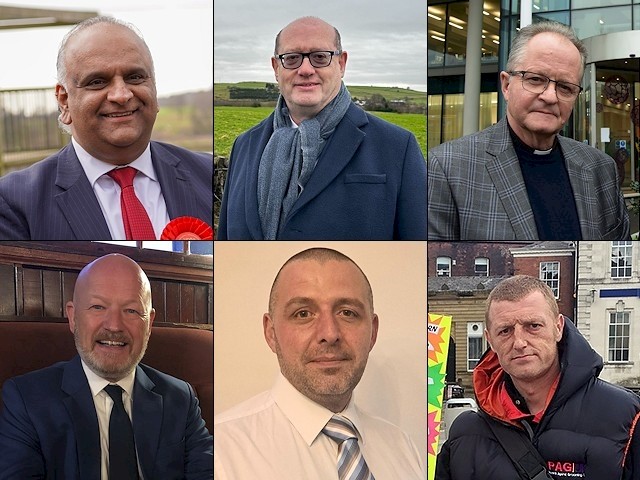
column 137, row 225
column 351, row 464
column 122, row 451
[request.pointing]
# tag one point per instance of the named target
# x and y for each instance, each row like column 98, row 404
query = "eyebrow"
column 81, row 80
column 310, row 301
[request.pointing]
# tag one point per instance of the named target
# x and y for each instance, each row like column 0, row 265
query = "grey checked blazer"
column 476, row 190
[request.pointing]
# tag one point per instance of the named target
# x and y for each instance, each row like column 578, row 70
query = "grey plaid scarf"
column 290, row 157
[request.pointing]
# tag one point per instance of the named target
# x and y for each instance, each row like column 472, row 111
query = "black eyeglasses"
column 538, row 83
column 319, row 59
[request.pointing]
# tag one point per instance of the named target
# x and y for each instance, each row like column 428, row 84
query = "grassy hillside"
column 221, row 91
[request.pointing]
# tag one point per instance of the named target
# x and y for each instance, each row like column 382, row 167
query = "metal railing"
column 28, row 127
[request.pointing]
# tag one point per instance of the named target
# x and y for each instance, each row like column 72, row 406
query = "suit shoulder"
column 41, row 379
column 184, row 153
column 587, row 155
column 164, row 380
column 465, row 144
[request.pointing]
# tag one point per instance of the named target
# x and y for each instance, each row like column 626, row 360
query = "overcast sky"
column 386, row 40
column 179, row 34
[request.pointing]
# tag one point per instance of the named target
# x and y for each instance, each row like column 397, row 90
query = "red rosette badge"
column 187, row 228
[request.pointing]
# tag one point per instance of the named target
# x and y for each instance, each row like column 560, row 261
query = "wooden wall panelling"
column 172, row 302
column 7, row 290
column 52, row 288
column 157, row 299
column 32, row 291
column 201, row 303
column 187, row 307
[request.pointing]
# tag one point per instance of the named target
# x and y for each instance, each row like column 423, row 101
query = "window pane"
column 598, row 3
column 434, row 114
column 599, row 21
column 436, row 18
column 451, row 124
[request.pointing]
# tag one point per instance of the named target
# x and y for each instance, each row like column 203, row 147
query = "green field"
column 229, row 122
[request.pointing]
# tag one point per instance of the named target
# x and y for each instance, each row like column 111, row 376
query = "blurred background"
column 178, row 33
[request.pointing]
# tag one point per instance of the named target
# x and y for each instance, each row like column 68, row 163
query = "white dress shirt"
column 277, row 435
column 104, row 404
column 107, row 191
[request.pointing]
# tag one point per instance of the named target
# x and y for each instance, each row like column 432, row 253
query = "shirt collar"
column 94, row 168
column 307, row 416
column 97, row 383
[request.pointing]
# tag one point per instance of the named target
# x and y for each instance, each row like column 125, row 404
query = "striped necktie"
column 351, row 464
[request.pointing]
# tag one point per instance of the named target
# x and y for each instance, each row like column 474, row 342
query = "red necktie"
column 137, row 225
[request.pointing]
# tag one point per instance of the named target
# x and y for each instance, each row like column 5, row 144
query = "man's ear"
column 63, row 104
column 486, row 336
column 269, row 332
column 70, row 309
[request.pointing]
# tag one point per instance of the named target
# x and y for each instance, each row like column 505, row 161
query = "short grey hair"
column 90, row 22
column 337, row 40
column 320, row 255
column 522, row 38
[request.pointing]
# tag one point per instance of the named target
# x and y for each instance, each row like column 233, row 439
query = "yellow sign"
column 439, row 332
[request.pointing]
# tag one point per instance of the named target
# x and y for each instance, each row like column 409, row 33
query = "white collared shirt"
column 277, row 435
column 107, row 191
column 104, row 404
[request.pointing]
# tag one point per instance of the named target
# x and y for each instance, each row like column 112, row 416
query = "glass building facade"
column 606, row 114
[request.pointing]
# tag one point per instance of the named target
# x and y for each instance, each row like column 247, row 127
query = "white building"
column 608, row 306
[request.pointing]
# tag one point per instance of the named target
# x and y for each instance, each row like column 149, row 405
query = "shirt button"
column 517, row 402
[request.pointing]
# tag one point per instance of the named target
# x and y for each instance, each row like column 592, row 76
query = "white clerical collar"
column 542, row 152
column 94, row 168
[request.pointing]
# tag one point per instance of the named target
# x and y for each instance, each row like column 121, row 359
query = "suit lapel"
column 82, row 414
column 147, row 421
column 174, row 183
column 581, row 178
column 338, row 152
column 504, row 169
column 78, row 202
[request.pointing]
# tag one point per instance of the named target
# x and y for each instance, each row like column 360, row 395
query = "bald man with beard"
column 56, row 422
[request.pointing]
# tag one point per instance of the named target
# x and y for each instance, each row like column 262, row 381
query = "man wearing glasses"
column 519, row 179
column 319, row 167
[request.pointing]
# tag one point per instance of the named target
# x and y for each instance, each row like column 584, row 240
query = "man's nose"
column 306, row 68
column 328, row 329
column 550, row 94
column 119, row 92
column 519, row 338
column 113, row 320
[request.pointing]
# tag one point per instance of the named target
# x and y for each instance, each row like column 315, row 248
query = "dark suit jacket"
column 49, row 427
column 53, row 199
column 369, row 184
column 477, row 192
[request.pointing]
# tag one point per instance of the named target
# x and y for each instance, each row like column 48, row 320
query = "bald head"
column 306, row 24
column 110, row 268
column 74, row 40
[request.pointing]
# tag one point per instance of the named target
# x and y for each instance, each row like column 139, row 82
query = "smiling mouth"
column 111, row 343
column 119, row 114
